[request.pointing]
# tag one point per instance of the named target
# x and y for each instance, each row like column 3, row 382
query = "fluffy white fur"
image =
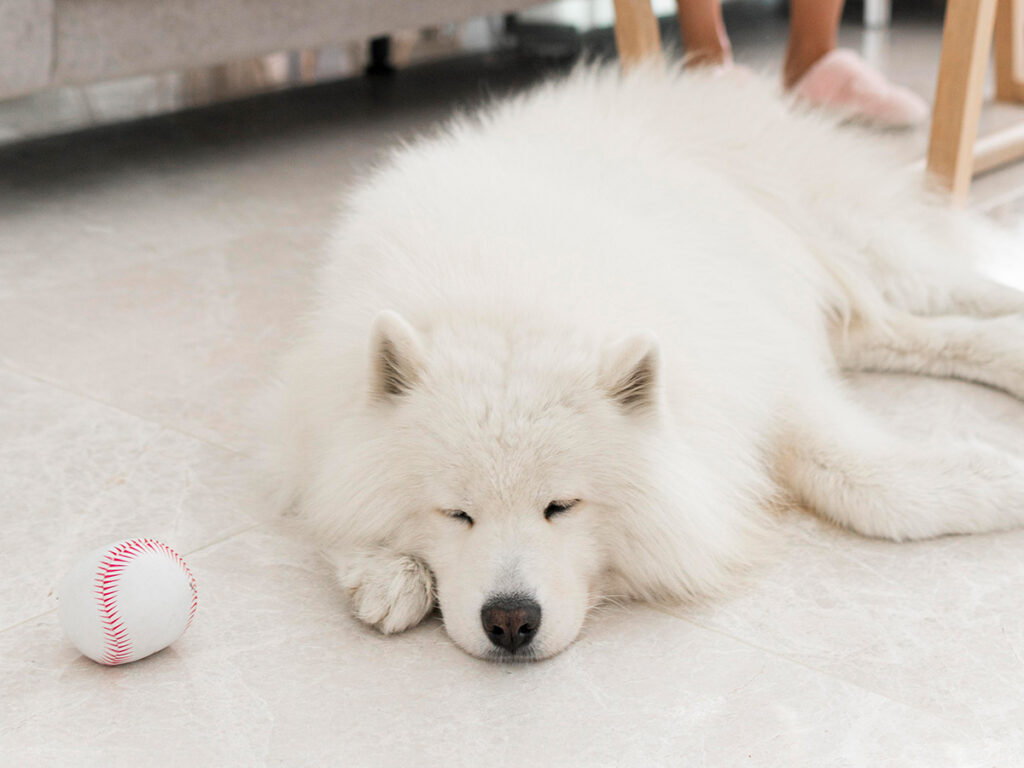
column 637, row 292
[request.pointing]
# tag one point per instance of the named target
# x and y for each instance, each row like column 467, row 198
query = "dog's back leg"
column 981, row 297
column 982, row 350
column 842, row 463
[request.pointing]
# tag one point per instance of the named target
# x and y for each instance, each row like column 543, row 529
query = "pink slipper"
column 842, row 81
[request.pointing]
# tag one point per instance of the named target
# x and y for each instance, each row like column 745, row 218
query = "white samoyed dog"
column 574, row 346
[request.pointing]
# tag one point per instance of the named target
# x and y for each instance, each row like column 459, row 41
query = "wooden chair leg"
column 636, row 31
column 1009, row 43
column 966, row 43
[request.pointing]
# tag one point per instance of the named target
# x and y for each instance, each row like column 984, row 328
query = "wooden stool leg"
column 1010, row 50
column 966, row 43
column 636, row 31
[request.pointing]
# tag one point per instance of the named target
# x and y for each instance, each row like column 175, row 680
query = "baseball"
column 125, row 601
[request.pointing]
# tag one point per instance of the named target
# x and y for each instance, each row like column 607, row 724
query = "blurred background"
column 70, row 64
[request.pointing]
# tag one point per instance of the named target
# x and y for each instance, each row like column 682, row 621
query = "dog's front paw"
column 389, row 591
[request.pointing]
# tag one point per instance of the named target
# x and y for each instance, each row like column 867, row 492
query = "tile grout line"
column 226, row 537
column 91, row 398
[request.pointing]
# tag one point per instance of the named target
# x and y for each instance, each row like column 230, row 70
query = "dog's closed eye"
column 558, row 507
column 458, row 514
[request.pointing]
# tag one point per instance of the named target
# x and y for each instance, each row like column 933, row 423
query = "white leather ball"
column 127, row 600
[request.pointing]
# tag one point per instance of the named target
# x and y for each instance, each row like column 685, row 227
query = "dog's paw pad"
column 391, row 593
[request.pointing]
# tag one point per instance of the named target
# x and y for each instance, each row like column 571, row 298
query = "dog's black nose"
column 510, row 621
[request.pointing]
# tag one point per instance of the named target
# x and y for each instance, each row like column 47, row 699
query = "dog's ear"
column 630, row 373
column 396, row 356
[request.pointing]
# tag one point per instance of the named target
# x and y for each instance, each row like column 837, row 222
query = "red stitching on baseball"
column 118, row 646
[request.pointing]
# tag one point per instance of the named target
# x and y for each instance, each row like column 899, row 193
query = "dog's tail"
column 847, row 466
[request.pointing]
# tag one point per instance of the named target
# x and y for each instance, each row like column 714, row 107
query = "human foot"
column 841, row 81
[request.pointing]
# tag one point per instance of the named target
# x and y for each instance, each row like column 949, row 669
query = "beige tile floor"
column 148, row 277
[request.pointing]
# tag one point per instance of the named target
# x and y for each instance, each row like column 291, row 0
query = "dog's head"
column 510, row 449
column 527, row 468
